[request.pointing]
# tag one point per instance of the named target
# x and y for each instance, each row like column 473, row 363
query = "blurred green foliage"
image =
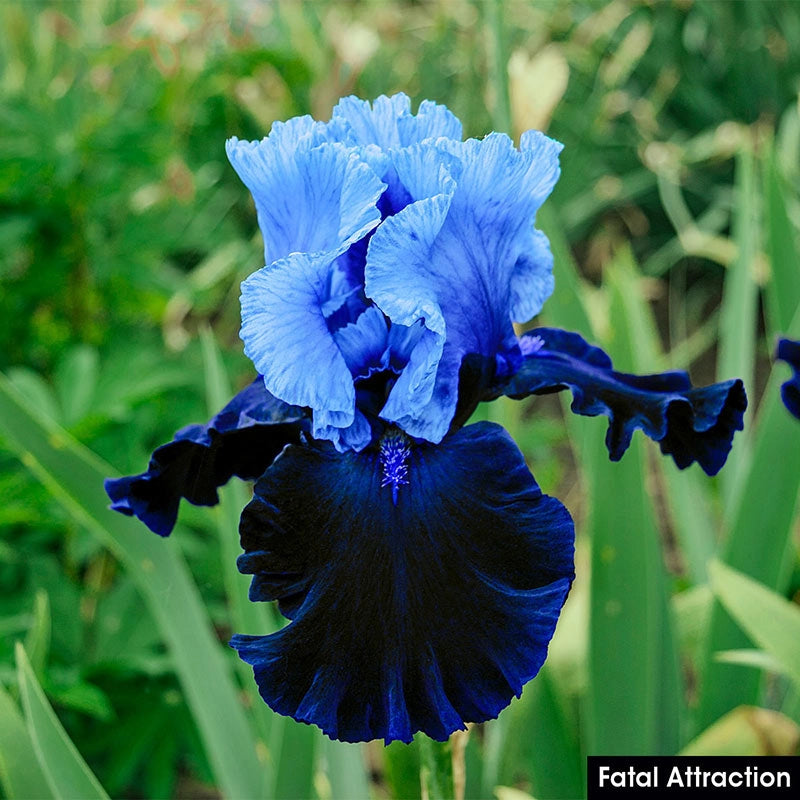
column 124, row 234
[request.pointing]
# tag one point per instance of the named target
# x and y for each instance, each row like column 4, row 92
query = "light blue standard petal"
column 389, row 123
column 532, row 279
column 789, row 351
column 466, row 260
column 388, row 126
column 309, row 197
column 286, row 336
column 689, row 423
column 423, row 582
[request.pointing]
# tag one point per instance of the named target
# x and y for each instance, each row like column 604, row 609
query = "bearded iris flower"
column 421, row 567
column 789, row 351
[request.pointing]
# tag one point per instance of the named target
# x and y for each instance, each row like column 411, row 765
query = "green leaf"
column 76, row 381
column 436, row 769
column 635, row 697
column 759, row 659
column 540, row 744
column 64, row 769
column 346, row 770
column 770, row 620
column 783, row 288
column 74, row 476
column 294, row 746
column 739, row 311
column 287, row 749
column 747, row 731
column 246, row 617
column 37, row 642
column 21, row 776
column 758, row 544
column 402, row 764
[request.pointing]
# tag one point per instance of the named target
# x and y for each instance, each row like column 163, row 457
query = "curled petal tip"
column 692, row 424
column 241, row 440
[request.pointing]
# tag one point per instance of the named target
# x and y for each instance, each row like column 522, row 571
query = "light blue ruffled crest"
column 378, row 219
column 464, row 258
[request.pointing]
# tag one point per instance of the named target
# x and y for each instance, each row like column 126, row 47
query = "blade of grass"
column 687, row 504
column 346, row 772
column 739, row 312
column 37, row 642
column 436, row 769
column 747, row 731
column 247, row 617
column 541, row 745
column 758, row 544
column 20, row 774
column 783, row 288
column 402, row 764
column 288, row 766
column 74, row 475
column 635, row 698
column 64, row 770
column 771, row 621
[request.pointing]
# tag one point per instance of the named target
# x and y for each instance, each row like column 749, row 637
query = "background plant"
column 123, row 237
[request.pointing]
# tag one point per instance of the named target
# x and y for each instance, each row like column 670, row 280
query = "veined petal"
column 423, row 584
column 789, row 351
column 388, row 127
column 532, row 279
column 310, row 197
column 690, row 424
column 241, row 440
column 364, row 343
column 286, row 336
column 467, row 259
column 389, row 123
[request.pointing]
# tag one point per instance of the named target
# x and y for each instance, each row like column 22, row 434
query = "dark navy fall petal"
column 789, row 351
column 423, row 582
column 241, row 440
column 690, row 424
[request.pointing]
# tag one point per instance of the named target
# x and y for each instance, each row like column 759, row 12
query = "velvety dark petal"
column 423, row 582
column 690, row 424
column 789, row 351
column 241, row 440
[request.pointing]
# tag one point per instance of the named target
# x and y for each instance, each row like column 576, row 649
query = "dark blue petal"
column 241, row 440
column 423, row 582
column 789, row 351
column 464, row 258
column 690, row 424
